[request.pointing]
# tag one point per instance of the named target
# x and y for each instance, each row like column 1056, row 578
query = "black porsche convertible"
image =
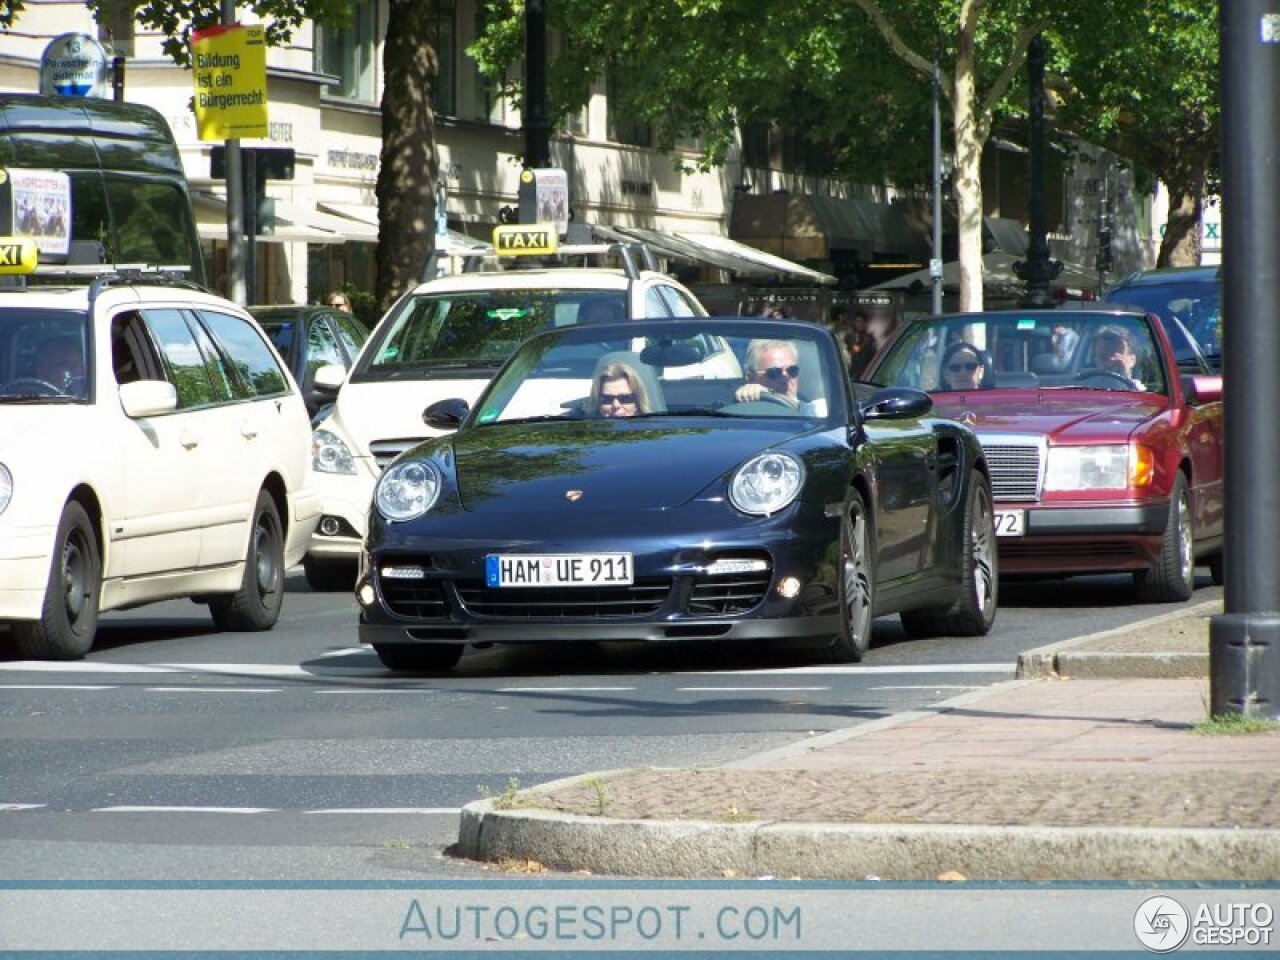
column 693, row 479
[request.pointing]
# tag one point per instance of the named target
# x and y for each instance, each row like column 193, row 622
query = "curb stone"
column 1067, row 659
column 705, row 849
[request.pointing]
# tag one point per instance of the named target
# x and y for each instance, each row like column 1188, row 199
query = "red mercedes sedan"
column 1102, row 430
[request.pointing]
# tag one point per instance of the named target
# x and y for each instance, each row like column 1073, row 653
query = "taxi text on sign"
column 229, row 64
column 525, row 239
column 17, row 255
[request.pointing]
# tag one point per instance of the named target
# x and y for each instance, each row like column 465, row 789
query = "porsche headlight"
column 1112, row 466
column 766, row 484
column 407, row 490
column 329, row 454
column 6, row 487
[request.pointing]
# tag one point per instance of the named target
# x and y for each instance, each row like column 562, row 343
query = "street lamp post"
column 935, row 262
column 537, row 123
column 1037, row 271
column 1244, row 641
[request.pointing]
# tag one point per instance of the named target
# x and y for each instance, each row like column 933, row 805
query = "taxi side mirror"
column 328, row 378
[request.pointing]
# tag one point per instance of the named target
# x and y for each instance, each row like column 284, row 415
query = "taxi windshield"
column 656, row 369
column 43, row 355
column 479, row 329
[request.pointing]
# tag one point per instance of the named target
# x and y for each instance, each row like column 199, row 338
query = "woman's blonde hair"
column 621, row 371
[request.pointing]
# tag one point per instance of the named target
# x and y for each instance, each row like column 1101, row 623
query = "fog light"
column 789, row 587
column 366, row 595
column 736, row 565
column 330, row 526
column 411, row 572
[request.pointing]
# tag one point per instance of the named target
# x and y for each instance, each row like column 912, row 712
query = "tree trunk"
column 968, row 176
column 410, row 164
column 1181, row 243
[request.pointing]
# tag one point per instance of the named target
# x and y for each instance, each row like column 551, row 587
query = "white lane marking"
column 366, row 691
column 392, row 810
column 862, row 669
column 215, row 689
column 563, row 689
column 213, row 669
column 178, row 809
column 58, row 686
column 749, row 689
column 927, row 686
column 346, row 652
column 6, row 807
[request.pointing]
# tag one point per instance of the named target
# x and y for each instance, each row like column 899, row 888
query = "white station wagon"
column 154, row 446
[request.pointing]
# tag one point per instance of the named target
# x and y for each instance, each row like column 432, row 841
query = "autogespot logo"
column 1161, row 924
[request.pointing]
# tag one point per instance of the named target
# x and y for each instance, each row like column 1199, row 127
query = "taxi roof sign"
column 525, row 239
column 18, row 255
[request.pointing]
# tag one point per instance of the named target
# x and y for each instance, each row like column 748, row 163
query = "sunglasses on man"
column 967, row 366
column 777, row 373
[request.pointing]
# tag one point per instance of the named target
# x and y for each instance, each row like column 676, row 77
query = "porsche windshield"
column 654, row 369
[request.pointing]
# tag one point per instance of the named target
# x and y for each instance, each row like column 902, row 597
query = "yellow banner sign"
column 525, row 239
column 18, row 255
column 230, row 68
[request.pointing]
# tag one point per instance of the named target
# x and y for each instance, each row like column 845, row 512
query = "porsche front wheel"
column 857, row 583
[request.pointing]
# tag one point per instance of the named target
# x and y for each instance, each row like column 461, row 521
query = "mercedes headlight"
column 1113, row 466
column 407, row 490
column 6, row 487
column 329, row 454
column 767, row 483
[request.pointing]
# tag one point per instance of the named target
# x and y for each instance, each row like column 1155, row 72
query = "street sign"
column 535, row 239
column 229, row 66
column 75, row 65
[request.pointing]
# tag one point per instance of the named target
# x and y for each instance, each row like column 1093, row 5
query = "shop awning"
column 716, row 251
column 367, row 219
column 297, row 228
column 998, row 277
column 767, row 261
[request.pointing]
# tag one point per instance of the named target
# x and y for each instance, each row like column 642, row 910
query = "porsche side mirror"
column 446, row 414
column 892, row 403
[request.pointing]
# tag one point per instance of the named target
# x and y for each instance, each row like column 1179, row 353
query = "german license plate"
column 1011, row 523
column 558, row 570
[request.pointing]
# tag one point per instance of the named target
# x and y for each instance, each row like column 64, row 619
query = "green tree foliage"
column 856, row 77
column 1141, row 79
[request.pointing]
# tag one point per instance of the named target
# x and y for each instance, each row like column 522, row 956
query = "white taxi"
column 447, row 338
column 154, row 447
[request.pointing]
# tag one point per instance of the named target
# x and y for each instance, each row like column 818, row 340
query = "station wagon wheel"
column 69, row 617
column 419, row 657
column 857, row 583
column 1172, row 578
column 256, row 605
column 975, row 610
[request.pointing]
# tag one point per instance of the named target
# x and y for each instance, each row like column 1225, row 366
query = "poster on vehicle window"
column 229, row 64
column 37, row 204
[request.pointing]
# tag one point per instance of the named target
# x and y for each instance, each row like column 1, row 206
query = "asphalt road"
column 180, row 754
